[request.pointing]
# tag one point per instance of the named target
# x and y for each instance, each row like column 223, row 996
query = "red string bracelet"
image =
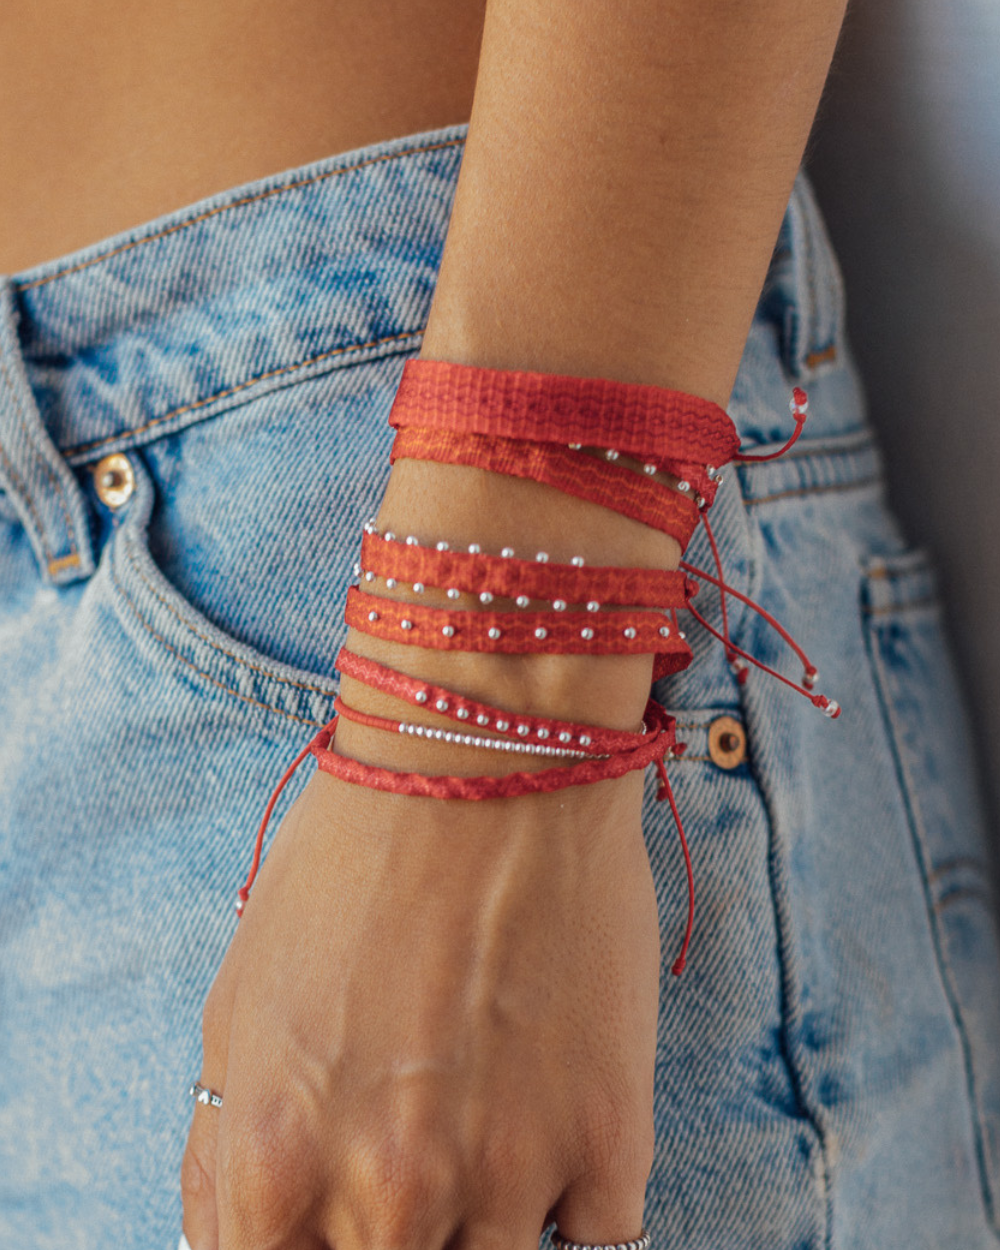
column 534, row 425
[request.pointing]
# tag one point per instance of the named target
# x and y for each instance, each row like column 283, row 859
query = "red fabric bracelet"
column 601, row 482
column 518, row 633
column 508, row 576
column 642, row 420
column 471, row 714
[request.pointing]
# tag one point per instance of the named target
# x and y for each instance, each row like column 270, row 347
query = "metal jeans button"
column 727, row 742
column 114, row 480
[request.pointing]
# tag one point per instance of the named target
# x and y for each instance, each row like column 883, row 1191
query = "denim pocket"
column 931, row 745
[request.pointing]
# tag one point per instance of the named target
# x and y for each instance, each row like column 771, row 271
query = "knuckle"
column 262, row 1172
column 509, row 1157
column 197, row 1181
column 402, row 1182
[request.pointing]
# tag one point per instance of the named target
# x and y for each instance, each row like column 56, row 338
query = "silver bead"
column 418, row 588
column 681, row 634
column 388, row 536
column 543, row 732
column 467, row 739
column 474, row 549
column 565, row 737
column 369, row 575
column 493, row 633
column 373, row 615
column 611, row 454
column 524, row 730
column 629, row 631
column 442, row 705
column 684, row 486
column 541, row 632
column 391, row 583
column 441, row 546
column 439, row 734
column 664, row 631
column 584, row 740
column 578, row 561
column 574, row 446
column 832, row 709
column 649, row 469
column 421, row 696
column 482, row 719
column 507, row 552
column 559, row 605
column 700, row 501
column 448, row 631
column 542, row 557
column 593, row 606
column 405, row 624
column 412, row 540
column 357, row 570
column 485, row 597
column 522, row 601
column 453, row 593
column 503, row 725
column 587, row 633
column 462, row 713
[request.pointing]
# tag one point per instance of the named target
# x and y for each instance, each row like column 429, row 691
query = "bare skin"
column 437, row 1021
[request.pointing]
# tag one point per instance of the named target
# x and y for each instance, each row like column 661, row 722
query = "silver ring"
column 642, row 1242
column 205, row 1096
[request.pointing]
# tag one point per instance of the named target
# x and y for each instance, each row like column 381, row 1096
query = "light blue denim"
column 829, row 1064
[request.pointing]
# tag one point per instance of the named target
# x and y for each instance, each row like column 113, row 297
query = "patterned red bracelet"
column 537, row 425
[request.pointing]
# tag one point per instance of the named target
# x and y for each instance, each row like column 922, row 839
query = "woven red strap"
column 519, row 633
column 651, row 747
column 476, row 716
column 508, row 577
column 598, row 481
column 642, row 420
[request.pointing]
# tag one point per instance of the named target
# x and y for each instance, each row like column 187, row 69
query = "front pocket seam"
column 200, row 672
column 216, row 646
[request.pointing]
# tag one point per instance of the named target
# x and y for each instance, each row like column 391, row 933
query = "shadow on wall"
column 905, row 159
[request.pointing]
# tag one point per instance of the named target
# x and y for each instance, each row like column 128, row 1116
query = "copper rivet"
column 114, row 480
column 727, row 742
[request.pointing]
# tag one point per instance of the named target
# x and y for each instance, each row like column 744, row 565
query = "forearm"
column 624, row 177
column 626, row 169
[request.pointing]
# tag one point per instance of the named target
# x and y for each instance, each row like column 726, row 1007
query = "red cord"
column 799, row 407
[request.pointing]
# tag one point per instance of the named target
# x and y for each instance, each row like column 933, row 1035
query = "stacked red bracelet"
column 578, row 435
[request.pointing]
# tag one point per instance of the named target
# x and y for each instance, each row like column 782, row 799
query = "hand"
column 436, row 1020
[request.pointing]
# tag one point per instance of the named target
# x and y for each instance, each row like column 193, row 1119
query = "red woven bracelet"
column 605, row 483
column 641, row 420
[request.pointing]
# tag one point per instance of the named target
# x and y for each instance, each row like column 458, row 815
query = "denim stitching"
column 233, row 390
column 813, row 490
column 22, row 416
column 254, row 668
column 29, row 502
column 922, row 858
column 267, row 707
column 250, row 199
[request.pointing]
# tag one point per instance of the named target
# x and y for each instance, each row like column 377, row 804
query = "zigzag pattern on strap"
column 509, row 577
column 642, row 420
column 601, row 482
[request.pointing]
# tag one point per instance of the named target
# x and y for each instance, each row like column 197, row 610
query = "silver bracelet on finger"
column 205, row 1096
column 642, row 1242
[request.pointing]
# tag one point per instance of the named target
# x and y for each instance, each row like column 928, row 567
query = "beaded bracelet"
column 570, row 433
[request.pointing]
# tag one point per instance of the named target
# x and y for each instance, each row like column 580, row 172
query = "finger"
column 201, row 1223
column 603, row 1211
column 500, row 1233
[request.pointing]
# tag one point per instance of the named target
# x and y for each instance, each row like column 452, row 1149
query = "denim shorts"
column 193, row 429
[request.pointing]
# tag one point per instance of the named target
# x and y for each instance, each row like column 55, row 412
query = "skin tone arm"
column 416, row 1038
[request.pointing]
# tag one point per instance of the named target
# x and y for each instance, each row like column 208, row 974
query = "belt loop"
column 36, row 478
column 813, row 330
